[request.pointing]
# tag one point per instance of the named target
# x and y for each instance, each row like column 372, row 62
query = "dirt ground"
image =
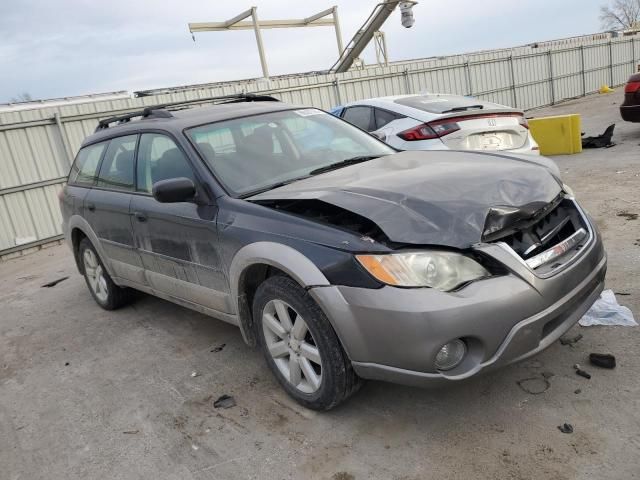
column 86, row 393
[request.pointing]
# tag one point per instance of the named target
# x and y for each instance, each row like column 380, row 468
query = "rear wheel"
column 300, row 345
column 106, row 293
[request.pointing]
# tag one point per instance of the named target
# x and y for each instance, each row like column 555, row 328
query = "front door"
column 178, row 242
column 107, row 208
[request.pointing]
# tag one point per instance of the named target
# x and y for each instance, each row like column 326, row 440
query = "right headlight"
column 437, row 269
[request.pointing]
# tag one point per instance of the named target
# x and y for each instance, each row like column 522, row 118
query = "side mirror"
column 174, row 190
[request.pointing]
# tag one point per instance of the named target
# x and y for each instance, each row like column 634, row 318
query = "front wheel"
column 300, row 345
column 106, row 293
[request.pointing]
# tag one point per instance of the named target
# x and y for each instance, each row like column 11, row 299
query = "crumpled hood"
column 432, row 198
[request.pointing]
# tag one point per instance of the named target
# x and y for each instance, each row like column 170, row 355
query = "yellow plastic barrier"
column 559, row 135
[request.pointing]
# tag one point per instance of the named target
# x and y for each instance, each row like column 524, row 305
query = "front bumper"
column 393, row 334
column 630, row 113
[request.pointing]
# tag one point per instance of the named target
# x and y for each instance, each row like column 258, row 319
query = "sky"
column 64, row 48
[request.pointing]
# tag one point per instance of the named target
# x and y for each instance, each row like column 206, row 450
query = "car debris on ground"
column 581, row 372
column 600, row 141
column 224, row 401
column 570, row 340
column 603, row 360
column 566, row 428
column 53, row 283
column 607, row 311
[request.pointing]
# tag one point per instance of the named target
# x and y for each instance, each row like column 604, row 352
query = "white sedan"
column 439, row 122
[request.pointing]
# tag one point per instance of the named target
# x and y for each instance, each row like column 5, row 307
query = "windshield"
column 255, row 153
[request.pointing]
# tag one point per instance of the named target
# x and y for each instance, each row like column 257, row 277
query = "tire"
column 106, row 293
column 312, row 344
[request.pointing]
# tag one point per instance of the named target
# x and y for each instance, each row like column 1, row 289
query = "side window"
column 85, row 168
column 159, row 158
column 116, row 170
column 360, row 117
column 383, row 117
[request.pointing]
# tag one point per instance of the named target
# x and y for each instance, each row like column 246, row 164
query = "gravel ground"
column 86, row 393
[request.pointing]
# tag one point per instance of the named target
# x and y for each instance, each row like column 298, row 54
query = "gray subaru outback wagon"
column 342, row 258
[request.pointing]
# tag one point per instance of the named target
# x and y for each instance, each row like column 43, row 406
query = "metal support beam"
column 256, row 29
column 238, row 23
column 380, row 43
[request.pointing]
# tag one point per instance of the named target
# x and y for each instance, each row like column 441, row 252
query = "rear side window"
column 116, row 170
column 383, row 117
column 159, row 158
column 85, row 168
column 359, row 116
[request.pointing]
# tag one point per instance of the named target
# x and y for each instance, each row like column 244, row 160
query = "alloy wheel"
column 291, row 345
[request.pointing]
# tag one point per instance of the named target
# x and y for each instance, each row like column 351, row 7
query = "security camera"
column 406, row 13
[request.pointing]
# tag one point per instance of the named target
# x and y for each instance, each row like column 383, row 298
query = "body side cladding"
column 282, row 257
column 76, row 222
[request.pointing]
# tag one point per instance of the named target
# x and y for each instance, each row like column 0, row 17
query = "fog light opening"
column 450, row 355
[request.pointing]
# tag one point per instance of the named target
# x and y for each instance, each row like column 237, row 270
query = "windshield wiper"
column 271, row 187
column 343, row 163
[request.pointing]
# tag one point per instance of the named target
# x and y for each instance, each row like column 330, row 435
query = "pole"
column 65, row 140
column 513, row 82
column 553, row 88
column 336, row 24
column 256, row 29
column 610, row 64
column 584, row 80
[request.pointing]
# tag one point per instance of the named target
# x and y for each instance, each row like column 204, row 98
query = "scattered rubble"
column 566, row 428
column 225, row 401
column 581, row 372
column 570, row 340
column 603, row 360
column 53, row 283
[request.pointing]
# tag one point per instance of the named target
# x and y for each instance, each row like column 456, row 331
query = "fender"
column 76, row 221
column 283, row 257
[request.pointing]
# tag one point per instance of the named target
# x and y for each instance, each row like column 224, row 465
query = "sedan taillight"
column 523, row 122
column 429, row 131
column 632, row 87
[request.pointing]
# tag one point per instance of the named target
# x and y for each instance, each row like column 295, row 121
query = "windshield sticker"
column 307, row 112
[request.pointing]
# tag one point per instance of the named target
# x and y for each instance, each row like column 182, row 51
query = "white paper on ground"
column 607, row 311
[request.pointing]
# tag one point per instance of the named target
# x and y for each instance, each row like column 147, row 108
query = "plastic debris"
column 195, row 374
column 603, row 360
column 566, row 428
column 604, row 88
column 53, row 283
column 131, row 432
column 581, row 372
column 600, row 141
column 577, row 391
column 607, row 311
column 570, row 340
column 225, row 401
column 219, row 348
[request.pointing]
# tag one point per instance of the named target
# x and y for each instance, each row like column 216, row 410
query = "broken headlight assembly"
column 439, row 269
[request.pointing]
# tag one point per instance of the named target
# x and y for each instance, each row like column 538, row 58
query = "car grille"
column 553, row 240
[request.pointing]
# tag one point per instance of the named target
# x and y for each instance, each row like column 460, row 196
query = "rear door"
column 107, row 207
column 178, row 242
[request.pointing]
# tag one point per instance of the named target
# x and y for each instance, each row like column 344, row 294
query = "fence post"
column 584, row 80
column 633, row 53
column 553, row 88
column 63, row 137
column 467, row 71
column 610, row 64
column 336, row 85
column 513, row 82
column 407, row 84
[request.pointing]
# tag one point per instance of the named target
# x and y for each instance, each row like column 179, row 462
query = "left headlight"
column 441, row 270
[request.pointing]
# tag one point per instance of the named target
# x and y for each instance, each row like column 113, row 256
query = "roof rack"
column 160, row 111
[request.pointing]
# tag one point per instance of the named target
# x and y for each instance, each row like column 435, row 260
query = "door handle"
column 141, row 216
column 91, row 207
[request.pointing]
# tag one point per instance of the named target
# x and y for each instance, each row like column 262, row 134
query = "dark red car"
column 630, row 108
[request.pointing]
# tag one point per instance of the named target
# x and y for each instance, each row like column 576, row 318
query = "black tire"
column 338, row 381
column 116, row 296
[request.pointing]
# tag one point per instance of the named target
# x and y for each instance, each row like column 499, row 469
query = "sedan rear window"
column 258, row 152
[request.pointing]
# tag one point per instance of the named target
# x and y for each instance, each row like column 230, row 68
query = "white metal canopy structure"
column 237, row 23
